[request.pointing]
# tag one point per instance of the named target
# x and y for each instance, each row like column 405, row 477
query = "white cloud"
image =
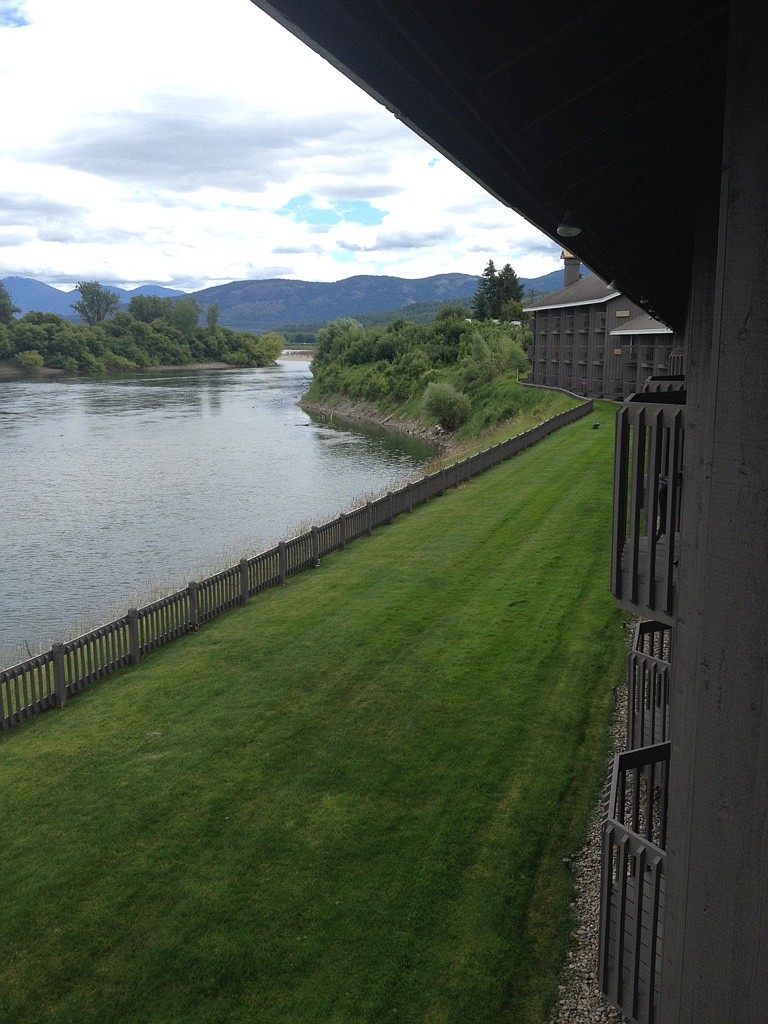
column 157, row 142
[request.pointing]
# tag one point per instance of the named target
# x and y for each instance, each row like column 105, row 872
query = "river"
column 118, row 490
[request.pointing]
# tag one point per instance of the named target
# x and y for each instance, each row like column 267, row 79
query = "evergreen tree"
column 499, row 294
column 482, row 303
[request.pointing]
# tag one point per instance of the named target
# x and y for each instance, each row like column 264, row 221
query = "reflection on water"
column 112, row 487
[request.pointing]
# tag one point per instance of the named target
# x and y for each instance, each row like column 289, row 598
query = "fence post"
column 315, row 547
column 59, row 682
column 281, row 562
column 391, row 518
column 342, row 530
column 194, row 605
column 133, row 636
column 368, row 518
column 244, row 588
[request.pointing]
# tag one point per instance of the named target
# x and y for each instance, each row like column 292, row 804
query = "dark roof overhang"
column 609, row 109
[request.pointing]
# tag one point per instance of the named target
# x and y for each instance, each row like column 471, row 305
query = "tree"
column 7, row 308
column 212, row 317
column 509, row 285
column 185, row 315
column 147, row 308
column 96, row 303
column 481, row 304
column 499, row 294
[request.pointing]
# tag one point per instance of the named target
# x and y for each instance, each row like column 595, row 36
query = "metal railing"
column 48, row 680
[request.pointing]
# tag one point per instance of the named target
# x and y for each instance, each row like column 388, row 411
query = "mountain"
column 535, row 287
column 264, row 305
column 275, row 303
column 28, row 294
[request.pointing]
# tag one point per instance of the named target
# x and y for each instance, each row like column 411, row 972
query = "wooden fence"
column 48, row 680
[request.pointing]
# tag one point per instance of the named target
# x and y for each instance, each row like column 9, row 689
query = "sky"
column 190, row 143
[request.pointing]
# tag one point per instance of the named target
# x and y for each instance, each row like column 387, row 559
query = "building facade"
column 590, row 339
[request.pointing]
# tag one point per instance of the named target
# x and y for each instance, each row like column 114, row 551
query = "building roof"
column 643, row 324
column 612, row 111
column 587, row 291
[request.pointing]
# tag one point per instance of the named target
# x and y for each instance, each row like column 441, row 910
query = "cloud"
column 21, row 208
column 378, row 189
column 205, row 141
column 185, row 145
column 79, row 233
column 10, row 239
column 298, row 250
column 403, row 240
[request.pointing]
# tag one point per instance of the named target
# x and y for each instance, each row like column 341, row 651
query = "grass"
column 346, row 802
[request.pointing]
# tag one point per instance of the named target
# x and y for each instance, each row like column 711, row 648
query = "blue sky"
column 189, row 143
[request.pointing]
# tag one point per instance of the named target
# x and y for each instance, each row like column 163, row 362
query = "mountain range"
column 266, row 305
column 28, row 294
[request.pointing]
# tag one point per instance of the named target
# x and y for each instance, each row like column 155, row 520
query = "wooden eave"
column 611, row 110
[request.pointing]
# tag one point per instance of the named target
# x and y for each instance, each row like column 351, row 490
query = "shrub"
column 445, row 404
column 30, row 359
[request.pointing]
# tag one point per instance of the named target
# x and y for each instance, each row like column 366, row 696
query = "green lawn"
column 347, row 802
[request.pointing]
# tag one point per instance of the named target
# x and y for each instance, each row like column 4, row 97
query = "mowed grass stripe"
column 346, row 802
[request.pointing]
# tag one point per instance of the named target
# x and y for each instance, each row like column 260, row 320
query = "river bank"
column 349, row 411
column 9, row 372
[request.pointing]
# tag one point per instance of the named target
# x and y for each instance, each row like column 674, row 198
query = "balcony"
column 648, row 465
column 661, row 382
column 648, row 685
column 633, row 882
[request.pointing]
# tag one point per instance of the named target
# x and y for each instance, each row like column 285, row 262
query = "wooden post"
column 342, row 530
column 315, row 547
column 59, row 680
column 133, row 636
column 281, row 562
column 194, row 605
column 244, row 587
column 369, row 517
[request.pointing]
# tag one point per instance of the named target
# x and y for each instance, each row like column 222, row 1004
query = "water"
column 117, row 491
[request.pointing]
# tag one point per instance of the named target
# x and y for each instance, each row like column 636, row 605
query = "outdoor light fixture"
column 567, row 227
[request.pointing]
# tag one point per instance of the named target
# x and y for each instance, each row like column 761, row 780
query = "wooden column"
column 716, row 924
